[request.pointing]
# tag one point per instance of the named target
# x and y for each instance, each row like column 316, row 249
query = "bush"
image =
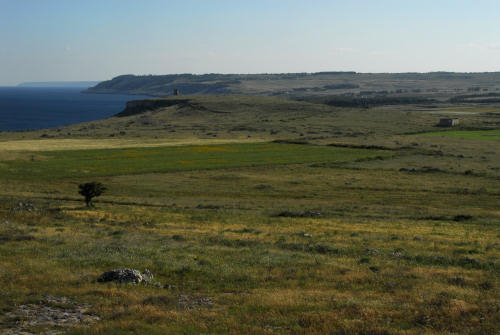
column 91, row 190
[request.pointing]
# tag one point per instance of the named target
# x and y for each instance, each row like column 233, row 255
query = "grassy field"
column 384, row 232
column 110, row 162
column 486, row 135
column 25, row 146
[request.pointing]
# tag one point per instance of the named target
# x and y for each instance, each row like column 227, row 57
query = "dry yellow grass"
column 392, row 252
column 84, row 144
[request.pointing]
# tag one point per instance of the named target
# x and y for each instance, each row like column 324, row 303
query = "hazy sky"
column 50, row 40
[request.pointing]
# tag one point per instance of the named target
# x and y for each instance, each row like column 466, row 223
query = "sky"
column 72, row 40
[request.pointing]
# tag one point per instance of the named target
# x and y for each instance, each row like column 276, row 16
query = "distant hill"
column 82, row 84
column 436, row 85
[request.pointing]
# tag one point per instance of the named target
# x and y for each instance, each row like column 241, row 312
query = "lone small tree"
column 91, row 190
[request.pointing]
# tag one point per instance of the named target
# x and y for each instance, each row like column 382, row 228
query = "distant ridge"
column 443, row 85
column 82, row 84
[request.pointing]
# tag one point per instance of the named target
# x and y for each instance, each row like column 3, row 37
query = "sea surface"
column 23, row 108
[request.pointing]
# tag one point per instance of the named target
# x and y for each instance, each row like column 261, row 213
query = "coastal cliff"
column 135, row 107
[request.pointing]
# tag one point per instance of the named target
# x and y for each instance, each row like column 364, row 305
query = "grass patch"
column 484, row 135
column 112, row 162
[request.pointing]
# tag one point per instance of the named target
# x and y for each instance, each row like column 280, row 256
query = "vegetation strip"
column 486, row 135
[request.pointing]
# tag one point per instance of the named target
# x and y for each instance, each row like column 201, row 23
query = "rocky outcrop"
column 52, row 315
column 127, row 276
column 135, row 107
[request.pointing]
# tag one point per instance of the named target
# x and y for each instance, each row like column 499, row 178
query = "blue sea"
column 23, row 108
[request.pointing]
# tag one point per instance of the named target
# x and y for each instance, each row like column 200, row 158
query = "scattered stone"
column 193, row 302
column 53, row 315
column 312, row 214
column 169, row 286
column 147, row 276
column 24, row 206
column 397, row 254
column 121, row 276
column 129, row 276
column 417, row 238
column 307, row 235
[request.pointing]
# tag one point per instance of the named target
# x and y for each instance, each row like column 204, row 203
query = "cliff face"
column 135, row 107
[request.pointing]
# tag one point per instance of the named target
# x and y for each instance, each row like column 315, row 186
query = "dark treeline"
column 477, row 98
column 340, row 86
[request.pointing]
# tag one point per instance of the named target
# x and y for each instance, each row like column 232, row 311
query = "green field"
column 110, row 162
column 486, row 135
